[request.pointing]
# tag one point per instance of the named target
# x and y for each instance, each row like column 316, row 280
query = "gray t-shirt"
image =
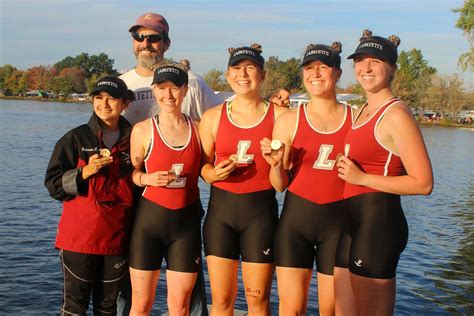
column 199, row 98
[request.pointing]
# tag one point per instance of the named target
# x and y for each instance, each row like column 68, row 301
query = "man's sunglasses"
column 151, row 38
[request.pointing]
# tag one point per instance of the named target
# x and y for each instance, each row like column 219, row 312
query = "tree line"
column 70, row 75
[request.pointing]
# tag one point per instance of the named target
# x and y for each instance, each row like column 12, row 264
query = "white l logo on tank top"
column 242, row 156
column 323, row 162
column 179, row 182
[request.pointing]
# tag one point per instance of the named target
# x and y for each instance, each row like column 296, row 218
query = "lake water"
column 435, row 274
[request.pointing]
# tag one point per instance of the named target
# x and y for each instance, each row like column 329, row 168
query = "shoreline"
column 63, row 100
column 424, row 123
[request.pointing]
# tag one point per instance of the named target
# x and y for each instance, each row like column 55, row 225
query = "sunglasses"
column 151, row 38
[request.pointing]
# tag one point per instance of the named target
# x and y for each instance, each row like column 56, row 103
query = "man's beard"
column 148, row 61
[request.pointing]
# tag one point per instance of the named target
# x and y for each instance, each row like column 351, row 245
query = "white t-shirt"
column 199, row 98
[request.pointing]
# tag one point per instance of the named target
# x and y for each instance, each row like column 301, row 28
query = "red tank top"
column 313, row 156
column 371, row 156
column 185, row 163
column 253, row 171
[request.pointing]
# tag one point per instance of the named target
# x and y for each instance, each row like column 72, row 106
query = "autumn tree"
column 69, row 80
column 465, row 23
column 445, row 94
column 5, row 72
column 39, row 77
column 16, row 83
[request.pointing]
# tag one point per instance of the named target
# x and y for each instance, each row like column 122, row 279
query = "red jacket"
column 97, row 212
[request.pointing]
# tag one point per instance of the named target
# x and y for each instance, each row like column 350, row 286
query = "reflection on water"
column 435, row 274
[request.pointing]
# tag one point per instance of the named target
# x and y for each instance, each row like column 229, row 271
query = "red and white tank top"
column 184, row 162
column 365, row 150
column 252, row 172
column 313, row 156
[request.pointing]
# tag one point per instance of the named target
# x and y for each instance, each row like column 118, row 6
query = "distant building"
column 79, row 96
column 296, row 99
column 301, row 98
column 40, row 94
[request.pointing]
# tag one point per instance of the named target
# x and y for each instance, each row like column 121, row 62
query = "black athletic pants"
column 86, row 276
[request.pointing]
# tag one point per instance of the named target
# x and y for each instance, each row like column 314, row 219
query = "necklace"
column 168, row 134
column 322, row 122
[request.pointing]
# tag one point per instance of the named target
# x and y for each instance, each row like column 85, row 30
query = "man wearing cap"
column 150, row 42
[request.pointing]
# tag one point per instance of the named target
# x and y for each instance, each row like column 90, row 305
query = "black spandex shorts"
column 173, row 234
column 307, row 230
column 241, row 224
column 376, row 234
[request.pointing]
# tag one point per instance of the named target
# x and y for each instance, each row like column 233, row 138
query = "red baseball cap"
column 152, row 21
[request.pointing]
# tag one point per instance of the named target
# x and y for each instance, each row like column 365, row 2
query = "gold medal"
column 104, row 152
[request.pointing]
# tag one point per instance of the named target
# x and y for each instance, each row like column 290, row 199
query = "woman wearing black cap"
column 312, row 217
column 90, row 172
column 386, row 158
column 166, row 154
column 242, row 213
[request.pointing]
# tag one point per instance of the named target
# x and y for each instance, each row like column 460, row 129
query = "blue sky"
column 42, row 32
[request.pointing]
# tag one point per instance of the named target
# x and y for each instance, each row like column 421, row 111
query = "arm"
column 63, row 164
column 139, row 142
column 279, row 160
column 398, row 129
column 281, row 98
column 64, row 178
column 207, row 131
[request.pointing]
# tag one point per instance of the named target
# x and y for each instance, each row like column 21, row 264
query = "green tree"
column 282, row 74
column 100, row 64
column 413, row 77
column 216, row 80
column 465, row 23
column 90, row 65
column 67, row 62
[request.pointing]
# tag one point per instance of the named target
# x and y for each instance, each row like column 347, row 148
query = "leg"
column 198, row 297
column 223, row 279
column 344, row 296
column 143, row 290
column 124, row 298
column 326, row 294
column 258, row 279
column 198, row 305
column 293, row 285
column 79, row 273
column 180, row 285
column 110, row 273
column 374, row 296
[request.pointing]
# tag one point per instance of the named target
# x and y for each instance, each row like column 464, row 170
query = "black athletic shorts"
column 241, row 225
column 159, row 232
column 306, row 231
column 376, row 234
